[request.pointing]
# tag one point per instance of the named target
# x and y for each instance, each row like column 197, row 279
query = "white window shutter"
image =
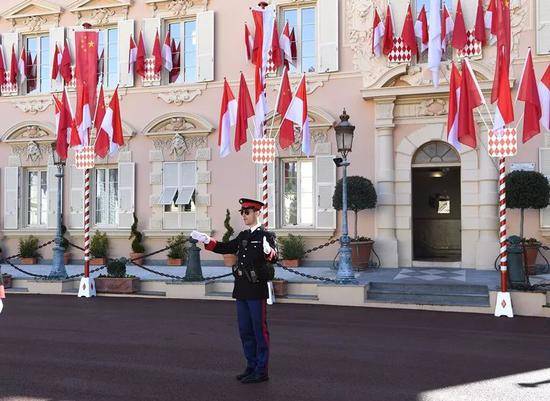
column 544, row 167
column 11, row 197
column 188, row 174
column 326, row 181
column 52, row 196
column 543, row 27
column 126, row 194
column 72, row 40
column 57, row 37
column 327, row 35
column 150, row 27
column 125, row 31
column 205, row 46
column 76, row 198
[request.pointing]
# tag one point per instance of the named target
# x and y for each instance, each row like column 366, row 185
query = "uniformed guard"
column 256, row 249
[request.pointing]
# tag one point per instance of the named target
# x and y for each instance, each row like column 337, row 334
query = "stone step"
column 226, row 294
column 304, row 297
column 152, row 293
column 443, row 289
column 15, row 290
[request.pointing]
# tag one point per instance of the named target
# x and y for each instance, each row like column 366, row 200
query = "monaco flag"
column 132, row 54
column 454, row 100
column 447, row 27
column 260, row 104
column 544, row 95
column 297, row 113
column 421, row 29
column 22, row 65
column 377, row 34
column 248, row 42
column 63, row 125
column 167, row 53
column 112, row 124
column 264, row 20
column 101, row 145
column 407, row 32
column 470, row 98
column 285, row 46
column 504, row 111
column 245, row 110
column 286, row 132
column 387, row 43
column 83, row 118
column 434, row 44
column 460, row 37
column 528, row 93
column 228, row 118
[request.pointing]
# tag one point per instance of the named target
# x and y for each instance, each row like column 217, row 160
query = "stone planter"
column 175, row 262
column 531, row 253
column 291, row 263
column 230, row 260
column 138, row 257
column 280, row 288
column 127, row 285
column 28, row 261
column 360, row 254
column 98, row 261
column 7, row 280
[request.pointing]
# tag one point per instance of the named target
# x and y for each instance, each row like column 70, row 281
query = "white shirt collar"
column 254, row 228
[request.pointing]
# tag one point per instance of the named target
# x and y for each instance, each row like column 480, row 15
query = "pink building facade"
column 170, row 174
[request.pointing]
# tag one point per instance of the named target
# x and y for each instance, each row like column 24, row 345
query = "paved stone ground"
column 65, row 348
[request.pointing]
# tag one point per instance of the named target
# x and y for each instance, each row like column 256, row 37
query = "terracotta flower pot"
column 67, row 257
column 28, row 261
column 531, row 253
column 230, row 260
column 291, row 263
column 175, row 261
column 127, row 285
column 280, row 288
column 98, row 261
column 138, row 257
column 360, row 254
column 7, row 280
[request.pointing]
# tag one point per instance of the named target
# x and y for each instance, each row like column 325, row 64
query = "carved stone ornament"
column 33, row 106
column 102, row 13
column 431, row 107
column 33, row 15
column 179, row 96
column 33, row 151
column 177, row 8
column 313, row 82
column 34, row 23
column 102, row 16
column 178, row 145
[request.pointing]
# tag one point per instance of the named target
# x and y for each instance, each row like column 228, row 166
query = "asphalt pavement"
column 111, row 348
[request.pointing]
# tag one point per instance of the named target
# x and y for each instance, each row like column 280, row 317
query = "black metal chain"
column 82, row 274
column 311, row 276
column 39, row 247
column 24, row 271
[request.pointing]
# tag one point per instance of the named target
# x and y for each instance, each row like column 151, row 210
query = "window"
column 37, row 197
column 183, row 35
column 178, row 194
column 303, row 21
column 106, row 196
column 108, row 57
column 38, row 68
column 543, row 27
column 297, row 189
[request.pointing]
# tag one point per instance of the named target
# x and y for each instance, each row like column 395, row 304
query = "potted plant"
column 292, row 250
column 229, row 259
column 177, row 251
column 280, row 287
column 65, row 245
column 117, row 281
column 138, row 250
column 99, row 247
column 28, row 250
column 527, row 190
column 361, row 196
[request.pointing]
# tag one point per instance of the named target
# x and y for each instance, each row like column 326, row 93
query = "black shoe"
column 255, row 378
column 246, row 373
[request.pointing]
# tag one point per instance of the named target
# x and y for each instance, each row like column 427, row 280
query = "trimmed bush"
column 137, row 246
column 99, row 246
column 28, row 247
column 116, row 268
column 229, row 231
column 177, row 247
column 292, row 247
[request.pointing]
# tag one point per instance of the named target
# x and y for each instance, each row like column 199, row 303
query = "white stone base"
column 87, row 287
column 387, row 251
column 503, row 306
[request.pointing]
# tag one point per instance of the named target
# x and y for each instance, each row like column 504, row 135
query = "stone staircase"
column 428, row 294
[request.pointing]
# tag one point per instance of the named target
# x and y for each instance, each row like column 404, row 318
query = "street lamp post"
column 58, row 264
column 344, row 140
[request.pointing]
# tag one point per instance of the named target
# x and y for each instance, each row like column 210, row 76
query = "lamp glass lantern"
column 344, row 134
column 57, row 160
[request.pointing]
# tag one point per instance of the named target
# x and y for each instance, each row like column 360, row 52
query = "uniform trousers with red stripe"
column 252, row 316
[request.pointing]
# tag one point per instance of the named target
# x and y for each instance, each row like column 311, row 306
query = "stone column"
column 386, row 241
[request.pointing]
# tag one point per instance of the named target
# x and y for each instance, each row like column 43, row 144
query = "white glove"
column 267, row 247
column 201, row 237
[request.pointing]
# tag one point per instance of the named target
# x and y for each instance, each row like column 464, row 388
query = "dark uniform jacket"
column 250, row 255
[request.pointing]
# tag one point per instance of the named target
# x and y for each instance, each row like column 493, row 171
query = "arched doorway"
column 436, row 203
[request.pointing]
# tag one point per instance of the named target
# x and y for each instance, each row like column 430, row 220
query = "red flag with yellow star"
column 86, row 63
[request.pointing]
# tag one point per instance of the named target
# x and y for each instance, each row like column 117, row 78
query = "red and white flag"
column 489, row 15
column 460, row 37
column 228, row 118
column 377, row 34
column 297, row 113
column 293, row 47
column 447, row 27
column 56, row 62
column 140, row 57
column 479, row 30
column 387, row 43
column 454, row 100
column 434, row 45
column 63, row 124
column 248, row 42
column 529, row 94
column 65, row 68
column 504, row 110
column 286, row 132
column 167, row 53
column 421, row 29
column 245, row 110
column 264, row 20
column 22, row 64
column 470, row 98
column 407, row 32
column 544, row 95
column 176, row 61
column 83, row 118
column 112, row 124
column 13, row 66
column 260, row 104
column 157, row 54
column 286, row 47
column 277, row 55
column 101, row 145
column 132, row 54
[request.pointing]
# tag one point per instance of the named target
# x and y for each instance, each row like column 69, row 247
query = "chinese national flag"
column 140, row 58
column 157, row 54
column 286, row 133
column 408, row 34
column 86, row 63
column 460, row 37
column 387, row 42
column 13, row 66
column 528, row 93
column 245, row 110
column 65, row 65
column 470, row 98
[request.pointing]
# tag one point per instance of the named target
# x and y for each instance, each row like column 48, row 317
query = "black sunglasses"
column 246, row 211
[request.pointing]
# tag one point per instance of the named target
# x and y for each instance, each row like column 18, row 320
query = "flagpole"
column 277, row 105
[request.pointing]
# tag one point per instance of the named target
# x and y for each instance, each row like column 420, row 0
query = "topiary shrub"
column 177, row 247
column 526, row 190
column 116, row 268
column 137, row 246
column 229, row 231
column 28, row 247
column 99, row 246
column 292, row 247
column 361, row 196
